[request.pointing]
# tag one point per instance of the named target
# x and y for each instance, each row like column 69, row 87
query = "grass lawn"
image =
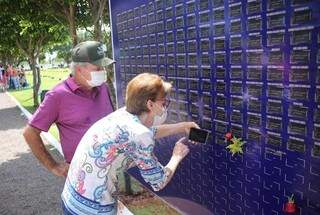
column 151, row 206
column 142, row 202
column 49, row 78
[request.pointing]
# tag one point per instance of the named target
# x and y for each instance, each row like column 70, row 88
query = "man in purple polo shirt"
column 70, row 105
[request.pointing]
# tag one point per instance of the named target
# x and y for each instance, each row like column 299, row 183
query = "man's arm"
column 170, row 129
column 32, row 137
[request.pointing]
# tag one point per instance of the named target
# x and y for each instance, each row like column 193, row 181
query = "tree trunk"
column 97, row 9
column 32, row 53
column 72, row 24
column 36, row 80
column 66, row 11
column 67, row 60
column 97, row 32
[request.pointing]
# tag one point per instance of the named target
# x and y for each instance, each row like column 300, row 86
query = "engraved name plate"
column 276, row 38
column 275, row 4
column 221, row 101
column 220, row 73
column 276, row 21
column 299, row 93
column 236, row 73
column 302, row 36
column 254, row 105
column 274, row 124
column 254, row 121
column 275, row 74
column 236, row 88
column 275, row 91
column 254, row 73
column 220, row 115
column 274, row 107
column 296, row 145
column 299, row 75
column 235, row 42
column 274, row 140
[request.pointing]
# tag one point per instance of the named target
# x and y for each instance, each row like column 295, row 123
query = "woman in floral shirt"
column 123, row 139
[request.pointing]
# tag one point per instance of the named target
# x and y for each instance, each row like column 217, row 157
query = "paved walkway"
column 26, row 187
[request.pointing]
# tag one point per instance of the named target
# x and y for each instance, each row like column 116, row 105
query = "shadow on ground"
column 8, row 119
column 28, row 188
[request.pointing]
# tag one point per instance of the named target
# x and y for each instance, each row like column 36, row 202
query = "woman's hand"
column 188, row 125
column 180, row 150
column 172, row 129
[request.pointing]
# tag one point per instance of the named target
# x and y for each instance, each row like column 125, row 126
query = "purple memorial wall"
column 251, row 67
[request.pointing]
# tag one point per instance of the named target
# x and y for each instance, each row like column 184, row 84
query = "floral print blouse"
column 112, row 145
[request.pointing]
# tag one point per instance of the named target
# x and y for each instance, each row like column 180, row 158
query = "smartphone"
column 198, row 135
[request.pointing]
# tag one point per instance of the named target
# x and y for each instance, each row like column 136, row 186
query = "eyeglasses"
column 166, row 102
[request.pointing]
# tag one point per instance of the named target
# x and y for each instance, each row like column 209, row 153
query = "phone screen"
column 198, row 135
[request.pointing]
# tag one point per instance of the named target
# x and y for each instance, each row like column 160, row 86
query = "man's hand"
column 60, row 169
column 33, row 139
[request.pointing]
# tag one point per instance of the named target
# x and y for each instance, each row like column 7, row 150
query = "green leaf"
column 236, row 146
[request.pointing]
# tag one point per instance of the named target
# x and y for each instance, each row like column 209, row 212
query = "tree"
column 79, row 14
column 63, row 50
column 32, row 30
column 93, row 15
column 64, row 11
column 33, row 26
column 11, row 55
column 98, row 10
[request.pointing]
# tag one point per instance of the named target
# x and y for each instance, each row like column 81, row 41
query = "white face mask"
column 160, row 119
column 97, row 78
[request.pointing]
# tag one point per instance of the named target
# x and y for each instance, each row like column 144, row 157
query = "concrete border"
column 51, row 139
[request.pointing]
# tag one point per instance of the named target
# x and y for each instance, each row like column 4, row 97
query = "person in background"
column 120, row 140
column 10, row 76
column 15, row 78
column 6, row 77
column 69, row 105
column 1, row 72
column 22, row 79
column 3, row 79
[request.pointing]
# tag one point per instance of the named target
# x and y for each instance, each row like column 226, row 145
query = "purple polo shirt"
column 73, row 110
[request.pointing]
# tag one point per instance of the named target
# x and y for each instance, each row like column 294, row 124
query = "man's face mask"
column 97, row 78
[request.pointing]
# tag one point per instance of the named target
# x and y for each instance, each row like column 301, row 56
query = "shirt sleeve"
column 150, row 169
column 47, row 112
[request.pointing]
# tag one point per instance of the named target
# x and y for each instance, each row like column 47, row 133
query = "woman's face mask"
column 160, row 118
column 97, row 78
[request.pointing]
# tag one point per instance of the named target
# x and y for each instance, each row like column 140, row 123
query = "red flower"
column 229, row 136
column 290, row 207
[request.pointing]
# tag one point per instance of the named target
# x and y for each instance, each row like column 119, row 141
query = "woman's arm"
column 150, row 169
column 180, row 150
column 170, row 129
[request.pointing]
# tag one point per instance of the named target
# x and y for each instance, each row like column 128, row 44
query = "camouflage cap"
column 91, row 52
